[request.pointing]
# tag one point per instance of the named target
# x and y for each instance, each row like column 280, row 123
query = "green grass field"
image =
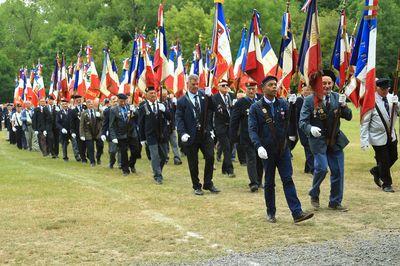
column 57, row 212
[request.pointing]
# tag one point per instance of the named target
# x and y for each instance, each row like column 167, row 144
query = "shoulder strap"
column 268, row 119
column 384, row 122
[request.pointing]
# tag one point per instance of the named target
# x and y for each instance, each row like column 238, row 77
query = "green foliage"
column 33, row 30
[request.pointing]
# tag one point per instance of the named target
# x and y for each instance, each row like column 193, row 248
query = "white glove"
column 73, row 135
column 36, row 132
column 57, row 109
column 45, row 133
column 185, row 137
column 365, row 147
column 83, row 138
column 316, row 132
column 207, row 91
column 292, row 138
column 97, row 114
column 342, row 99
column 234, row 101
column 161, row 107
column 143, row 142
column 64, row 131
column 292, row 98
column 395, row 99
column 103, row 138
column 174, row 100
column 115, row 141
column 132, row 107
column 14, row 129
column 262, row 153
column 212, row 134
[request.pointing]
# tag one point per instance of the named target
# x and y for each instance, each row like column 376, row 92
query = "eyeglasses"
column 223, row 85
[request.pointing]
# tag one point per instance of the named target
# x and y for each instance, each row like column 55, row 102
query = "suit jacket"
column 186, row 120
column 41, row 120
column 238, row 126
column 153, row 127
column 75, row 120
column 89, row 124
column 171, row 107
column 221, row 114
column 324, row 118
column 260, row 132
column 53, row 115
column 302, row 136
column 372, row 128
column 118, row 124
column 63, row 120
column 26, row 118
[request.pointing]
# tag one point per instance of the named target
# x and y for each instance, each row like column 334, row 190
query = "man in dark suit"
column 75, row 121
column 133, row 137
column 41, row 124
column 52, row 136
column 320, row 121
column 105, row 134
column 153, row 131
column 118, row 130
column 239, row 133
column 63, row 125
column 222, row 102
column 194, row 123
column 268, row 131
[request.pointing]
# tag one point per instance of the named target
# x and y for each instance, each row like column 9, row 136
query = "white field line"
column 98, row 186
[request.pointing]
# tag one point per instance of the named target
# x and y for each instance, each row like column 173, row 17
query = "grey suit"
column 325, row 154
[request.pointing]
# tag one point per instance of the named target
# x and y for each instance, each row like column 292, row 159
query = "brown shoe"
column 315, row 202
column 303, row 216
column 338, row 207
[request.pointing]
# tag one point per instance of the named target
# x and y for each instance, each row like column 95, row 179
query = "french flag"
column 180, row 77
column 270, row 60
column 220, row 45
column 169, row 81
column 145, row 74
column 254, row 62
column 341, row 52
column 93, row 90
column 79, row 85
column 237, row 68
column 288, row 54
column 197, row 66
column 31, row 95
column 63, row 80
column 124, row 86
column 17, row 98
column 310, row 62
column 134, row 62
column 53, row 91
column 38, row 83
column 109, row 83
column 161, row 68
column 364, row 56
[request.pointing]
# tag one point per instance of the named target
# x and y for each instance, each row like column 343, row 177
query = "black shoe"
column 111, row 166
column 224, row 172
column 315, row 202
column 254, row 188
column 374, row 173
column 78, row 159
column 84, row 161
column 159, row 181
column 303, row 216
column 213, row 189
column 133, row 169
column 198, row 192
column 65, row 159
column 271, row 218
column 54, row 157
column 338, row 207
column 98, row 161
column 177, row 162
column 388, row 189
column 92, row 165
column 231, row 175
column 125, row 173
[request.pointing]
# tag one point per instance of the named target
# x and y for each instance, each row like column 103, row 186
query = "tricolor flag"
column 134, row 62
column 79, row 79
column 21, row 86
column 288, row 54
column 38, row 83
column 270, row 61
column 310, row 57
column 341, row 52
column 237, row 69
column 145, row 74
column 109, row 83
column 169, row 81
column 31, row 95
column 254, row 62
column 220, row 46
column 16, row 90
column 124, row 86
column 160, row 57
column 63, row 80
column 53, row 90
column 180, row 77
column 364, row 56
column 197, row 66
column 93, row 90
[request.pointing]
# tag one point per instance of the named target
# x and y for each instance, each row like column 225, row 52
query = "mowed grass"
column 57, row 212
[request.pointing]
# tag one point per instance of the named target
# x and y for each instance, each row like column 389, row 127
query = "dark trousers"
column 81, row 147
column 226, row 147
column 43, row 143
column 241, row 152
column 309, row 163
column 192, row 152
column 56, row 143
column 123, row 149
column 19, row 137
column 50, row 139
column 99, row 149
column 385, row 157
column 64, row 138
column 89, row 148
column 254, row 166
column 284, row 165
column 134, row 148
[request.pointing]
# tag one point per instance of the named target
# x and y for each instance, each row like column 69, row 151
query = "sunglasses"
column 223, row 85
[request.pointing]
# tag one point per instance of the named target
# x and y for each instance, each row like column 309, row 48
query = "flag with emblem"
column 161, row 68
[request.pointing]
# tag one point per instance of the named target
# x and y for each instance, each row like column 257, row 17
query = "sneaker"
column 315, row 202
column 338, row 207
column 302, row 217
column 198, row 192
column 388, row 189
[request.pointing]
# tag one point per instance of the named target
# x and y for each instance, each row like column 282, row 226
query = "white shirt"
column 16, row 118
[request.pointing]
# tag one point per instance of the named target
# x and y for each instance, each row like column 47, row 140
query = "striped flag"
column 124, row 86
column 145, row 75
column 169, row 81
column 160, row 57
column 93, row 90
column 364, row 56
column 79, row 85
column 310, row 57
column 38, row 83
column 53, row 91
column 180, row 77
column 109, row 83
column 270, row 61
column 31, row 95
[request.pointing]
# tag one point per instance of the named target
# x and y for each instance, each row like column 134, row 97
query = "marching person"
column 321, row 124
column 52, row 134
column 75, row 124
column 268, row 133
column 133, row 137
column 26, row 116
column 378, row 130
column 222, row 102
column 89, row 130
column 153, row 129
column 41, row 124
column 105, row 135
column 63, row 124
column 16, row 123
column 239, row 132
column 99, row 123
column 194, row 123
column 118, row 130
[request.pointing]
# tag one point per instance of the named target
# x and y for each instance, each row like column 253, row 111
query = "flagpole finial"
column 218, row 1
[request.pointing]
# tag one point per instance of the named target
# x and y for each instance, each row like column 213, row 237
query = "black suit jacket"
column 41, row 120
column 238, row 127
column 75, row 120
column 221, row 114
column 63, row 120
column 153, row 126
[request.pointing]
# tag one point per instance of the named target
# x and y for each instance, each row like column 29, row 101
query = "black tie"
column 328, row 104
column 197, row 109
column 385, row 101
